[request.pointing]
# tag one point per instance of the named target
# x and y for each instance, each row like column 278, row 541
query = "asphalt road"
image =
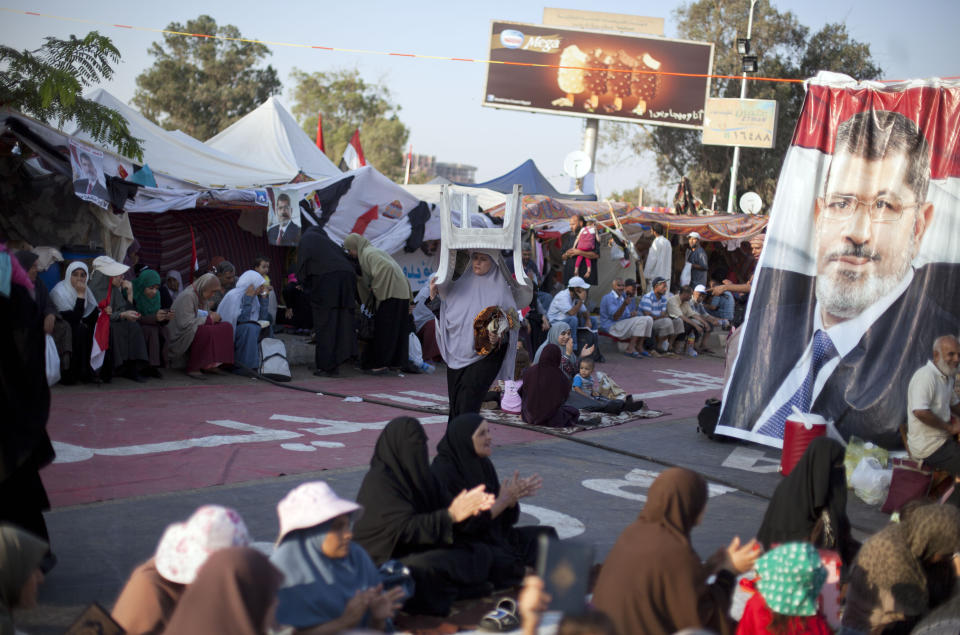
column 110, row 507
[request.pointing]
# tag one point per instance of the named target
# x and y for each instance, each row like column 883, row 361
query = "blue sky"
column 440, row 100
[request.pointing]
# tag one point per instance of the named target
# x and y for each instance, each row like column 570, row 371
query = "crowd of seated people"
column 423, row 535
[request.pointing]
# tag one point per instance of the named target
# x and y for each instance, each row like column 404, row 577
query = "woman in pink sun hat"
column 154, row 589
column 330, row 580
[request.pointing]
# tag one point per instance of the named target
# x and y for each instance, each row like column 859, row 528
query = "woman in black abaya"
column 407, row 518
column 463, row 462
column 329, row 277
column 810, row 504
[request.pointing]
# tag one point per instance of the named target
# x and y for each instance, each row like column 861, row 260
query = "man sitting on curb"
column 665, row 328
column 695, row 327
column 620, row 317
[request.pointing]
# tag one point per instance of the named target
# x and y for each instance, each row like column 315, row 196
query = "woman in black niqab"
column 810, row 504
column 406, row 518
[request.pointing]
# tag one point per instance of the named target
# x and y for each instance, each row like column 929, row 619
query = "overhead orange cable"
column 410, row 55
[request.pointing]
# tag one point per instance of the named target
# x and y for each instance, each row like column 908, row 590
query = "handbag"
column 366, row 327
column 273, row 359
column 911, row 480
column 53, row 362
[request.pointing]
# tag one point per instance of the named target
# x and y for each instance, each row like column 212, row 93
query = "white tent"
column 181, row 157
column 272, row 137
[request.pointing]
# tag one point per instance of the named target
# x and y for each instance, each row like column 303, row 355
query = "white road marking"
column 639, row 478
column 335, row 426
column 685, row 382
column 68, row 453
column 566, row 526
column 751, row 460
column 298, row 447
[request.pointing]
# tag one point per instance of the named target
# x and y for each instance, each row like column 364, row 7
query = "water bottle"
column 427, row 368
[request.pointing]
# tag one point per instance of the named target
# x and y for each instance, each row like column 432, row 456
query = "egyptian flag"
column 320, row 132
column 101, row 333
column 353, row 154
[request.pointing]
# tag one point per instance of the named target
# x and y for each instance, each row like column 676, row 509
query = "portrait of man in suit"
column 285, row 232
column 844, row 343
column 90, row 183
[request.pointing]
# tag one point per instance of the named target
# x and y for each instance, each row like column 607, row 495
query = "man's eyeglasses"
column 886, row 208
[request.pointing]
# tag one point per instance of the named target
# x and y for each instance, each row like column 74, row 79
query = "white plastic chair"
column 453, row 238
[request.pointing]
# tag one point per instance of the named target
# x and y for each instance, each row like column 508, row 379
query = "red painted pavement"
column 107, row 438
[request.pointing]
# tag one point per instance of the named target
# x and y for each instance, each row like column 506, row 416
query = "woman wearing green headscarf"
column 146, row 296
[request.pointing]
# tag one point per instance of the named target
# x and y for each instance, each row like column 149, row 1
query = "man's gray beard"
column 845, row 294
column 945, row 368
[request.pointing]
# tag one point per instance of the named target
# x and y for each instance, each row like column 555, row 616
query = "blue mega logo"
column 511, row 38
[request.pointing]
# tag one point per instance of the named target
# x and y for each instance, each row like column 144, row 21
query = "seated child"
column 601, row 387
column 586, row 241
column 583, row 382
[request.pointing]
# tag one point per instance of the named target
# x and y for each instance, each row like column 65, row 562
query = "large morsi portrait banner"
column 598, row 75
column 861, row 266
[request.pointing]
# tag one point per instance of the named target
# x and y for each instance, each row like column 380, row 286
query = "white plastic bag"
column 685, row 274
column 53, row 362
column 415, row 351
column 870, row 481
column 616, row 252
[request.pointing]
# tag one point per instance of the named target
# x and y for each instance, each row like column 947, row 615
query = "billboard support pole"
column 736, row 149
column 590, row 132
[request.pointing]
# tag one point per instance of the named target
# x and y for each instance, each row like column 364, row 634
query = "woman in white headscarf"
column 172, row 287
column 243, row 307
column 471, row 366
column 78, row 307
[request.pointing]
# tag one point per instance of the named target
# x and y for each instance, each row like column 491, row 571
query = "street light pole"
column 736, row 149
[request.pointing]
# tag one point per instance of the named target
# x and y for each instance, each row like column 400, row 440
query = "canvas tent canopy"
column 220, row 220
column 271, row 135
column 546, row 214
column 179, row 156
column 533, row 182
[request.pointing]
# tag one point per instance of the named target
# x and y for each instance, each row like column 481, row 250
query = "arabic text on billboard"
column 750, row 123
column 597, row 75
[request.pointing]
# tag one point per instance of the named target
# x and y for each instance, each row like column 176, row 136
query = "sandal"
column 633, row 354
column 502, row 619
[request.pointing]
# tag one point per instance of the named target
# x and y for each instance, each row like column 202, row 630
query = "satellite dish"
column 577, row 164
column 751, row 203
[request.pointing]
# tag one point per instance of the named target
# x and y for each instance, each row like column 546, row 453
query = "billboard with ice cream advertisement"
column 602, row 75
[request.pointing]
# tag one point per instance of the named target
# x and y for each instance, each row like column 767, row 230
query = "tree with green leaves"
column 786, row 50
column 201, row 85
column 348, row 102
column 48, row 84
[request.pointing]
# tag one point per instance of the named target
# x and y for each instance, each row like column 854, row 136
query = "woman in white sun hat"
column 151, row 594
column 330, row 581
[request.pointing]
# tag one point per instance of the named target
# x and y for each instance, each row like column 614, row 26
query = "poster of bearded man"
column 858, row 274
